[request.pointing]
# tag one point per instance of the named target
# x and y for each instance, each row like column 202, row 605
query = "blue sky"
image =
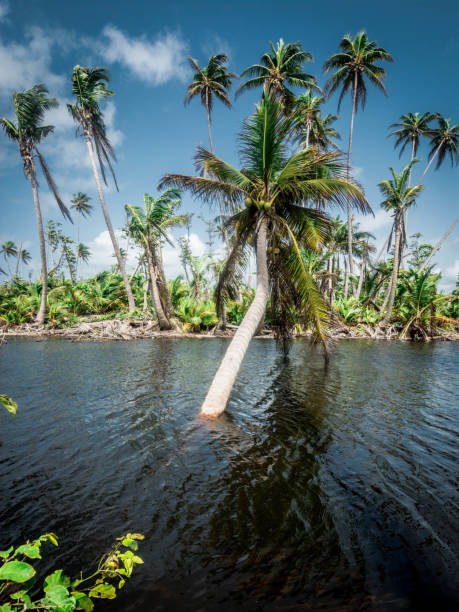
column 145, row 45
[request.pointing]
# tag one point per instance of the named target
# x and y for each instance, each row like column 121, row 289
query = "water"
column 318, row 489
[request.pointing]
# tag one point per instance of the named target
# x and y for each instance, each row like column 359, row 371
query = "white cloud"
column 154, row 61
column 23, row 65
column 449, row 276
column 215, row 44
column 368, row 223
column 4, row 10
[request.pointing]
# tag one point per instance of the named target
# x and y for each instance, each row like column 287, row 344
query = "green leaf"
column 6, row 553
column 121, row 583
column 57, row 593
column 9, row 404
column 52, row 537
column 56, row 578
column 16, row 571
column 104, row 591
column 129, row 543
column 33, row 552
column 83, row 602
column 6, row 608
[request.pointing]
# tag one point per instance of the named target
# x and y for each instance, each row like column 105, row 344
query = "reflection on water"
column 319, row 489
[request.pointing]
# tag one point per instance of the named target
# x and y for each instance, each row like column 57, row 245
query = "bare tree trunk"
column 349, row 217
column 162, row 275
column 404, row 245
column 384, row 246
column 44, row 268
column 394, row 276
column 222, row 384
column 362, row 276
column 122, row 267
column 19, row 255
column 439, row 244
column 163, row 321
column 430, row 163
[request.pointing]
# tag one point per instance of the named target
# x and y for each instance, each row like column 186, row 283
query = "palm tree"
column 356, row 60
column 306, row 114
column 398, row 197
column 410, row 129
column 30, row 107
column 147, row 227
column 80, row 202
column 9, row 249
column 323, row 133
column 212, row 81
column 263, row 198
column 444, row 143
column 22, row 256
column 83, row 253
column 279, row 69
column 89, row 86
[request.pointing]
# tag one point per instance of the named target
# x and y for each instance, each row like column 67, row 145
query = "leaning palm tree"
column 278, row 70
column 444, row 143
column 80, row 202
column 263, row 198
column 357, row 59
column 30, row 107
column 398, row 197
column 89, row 86
column 8, row 249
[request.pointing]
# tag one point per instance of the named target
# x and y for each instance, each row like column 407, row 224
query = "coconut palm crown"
column 80, row 202
column 263, row 199
column 445, row 142
column 410, row 129
column 278, row 70
column 356, row 61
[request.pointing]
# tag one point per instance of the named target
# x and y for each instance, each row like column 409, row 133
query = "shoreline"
column 146, row 329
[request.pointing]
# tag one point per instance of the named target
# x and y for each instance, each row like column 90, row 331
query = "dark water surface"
column 318, row 490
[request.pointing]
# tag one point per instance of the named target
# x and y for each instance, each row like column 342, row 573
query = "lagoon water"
column 319, row 489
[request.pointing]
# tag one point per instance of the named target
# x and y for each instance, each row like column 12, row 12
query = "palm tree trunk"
column 222, row 384
column 162, row 275
column 18, row 256
column 394, row 277
column 384, row 246
column 349, row 218
column 430, row 162
column 308, row 129
column 362, row 276
column 77, row 245
column 41, row 236
column 439, row 245
column 163, row 321
column 127, row 286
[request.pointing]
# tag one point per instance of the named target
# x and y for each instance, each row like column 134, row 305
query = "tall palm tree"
column 263, row 198
column 8, row 249
column 444, row 143
column 398, row 197
column 28, row 131
column 83, row 252
column 89, row 86
column 357, row 60
column 147, row 227
column 80, row 202
column 278, row 70
column 212, row 81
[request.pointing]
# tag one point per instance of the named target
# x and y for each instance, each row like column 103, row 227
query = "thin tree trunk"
column 18, row 259
column 384, row 246
column 222, row 384
column 166, row 292
column 362, row 275
column 44, row 268
column 308, row 129
column 122, row 267
column 163, row 321
column 439, row 245
column 77, row 245
column 430, row 163
column 349, row 218
column 403, row 248
column 394, row 276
